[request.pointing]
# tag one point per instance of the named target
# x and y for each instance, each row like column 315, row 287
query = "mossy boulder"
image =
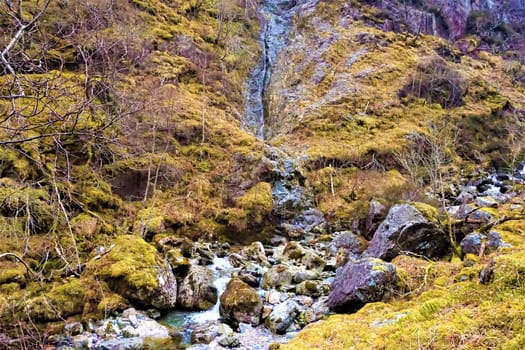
column 135, row 270
column 278, row 276
column 361, row 282
column 60, row 302
column 412, row 228
column 240, row 303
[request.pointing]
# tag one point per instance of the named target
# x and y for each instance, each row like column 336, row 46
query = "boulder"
column 472, row 242
column 364, row 281
column 282, row 316
column 366, row 226
column 277, row 276
column 412, row 228
column 133, row 269
column 240, row 303
column 196, row 289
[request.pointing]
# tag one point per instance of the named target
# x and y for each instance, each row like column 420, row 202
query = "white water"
column 222, row 270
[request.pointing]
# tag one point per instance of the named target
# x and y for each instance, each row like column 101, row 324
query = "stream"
column 289, row 196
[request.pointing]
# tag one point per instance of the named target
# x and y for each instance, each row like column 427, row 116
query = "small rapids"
column 182, row 320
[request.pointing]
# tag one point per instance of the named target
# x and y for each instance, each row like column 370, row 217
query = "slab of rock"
column 196, row 289
column 240, row 303
column 364, row 281
column 406, row 228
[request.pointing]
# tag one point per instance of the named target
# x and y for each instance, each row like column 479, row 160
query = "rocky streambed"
column 257, row 295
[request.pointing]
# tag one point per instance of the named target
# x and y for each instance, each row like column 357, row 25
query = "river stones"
column 278, row 276
column 240, row 303
column 361, row 282
column 196, row 289
column 282, row 316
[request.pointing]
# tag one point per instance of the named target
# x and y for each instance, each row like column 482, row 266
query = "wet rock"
column 131, row 315
column 486, row 202
column 73, row 328
column 237, row 260
column 277, row 276
column 471, row 244
column 134, row 269
column 407, row 229
column 204, row 333
column 361, row 282
column 255, row 252
column 205, row 255
column 240, row 303
column 248, row 278
column 282, row 316
column 301, row 275
column 196, row 289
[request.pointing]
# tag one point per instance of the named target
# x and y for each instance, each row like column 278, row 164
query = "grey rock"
column 196, row 289
column 486, row 202
column 277, row 276
column 472, row 242
column 282, row 316
column 122, row 344
column 361, row 282
column 407, row 229
column 494, row 242
column 204, row 333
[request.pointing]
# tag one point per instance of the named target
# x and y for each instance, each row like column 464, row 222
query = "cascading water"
column 182, row 320
column 276, row 17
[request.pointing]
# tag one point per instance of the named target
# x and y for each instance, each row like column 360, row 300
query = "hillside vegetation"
column 122, row 120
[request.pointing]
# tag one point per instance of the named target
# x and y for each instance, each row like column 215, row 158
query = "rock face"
column 240, row 303
column 361, row 282
column 196, row 290
column 407, row 229
column 134, row 269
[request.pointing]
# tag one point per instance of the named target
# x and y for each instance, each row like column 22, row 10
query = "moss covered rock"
column 134, row 269
column 60, row 302
column 240, row 303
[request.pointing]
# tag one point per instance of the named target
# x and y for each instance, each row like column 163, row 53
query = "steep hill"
column 155, row 126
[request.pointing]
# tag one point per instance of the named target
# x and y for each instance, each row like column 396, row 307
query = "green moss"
column 60, row 302
column 133, row 260
column 257, row 199
column 428, row 211
column 149, row 221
